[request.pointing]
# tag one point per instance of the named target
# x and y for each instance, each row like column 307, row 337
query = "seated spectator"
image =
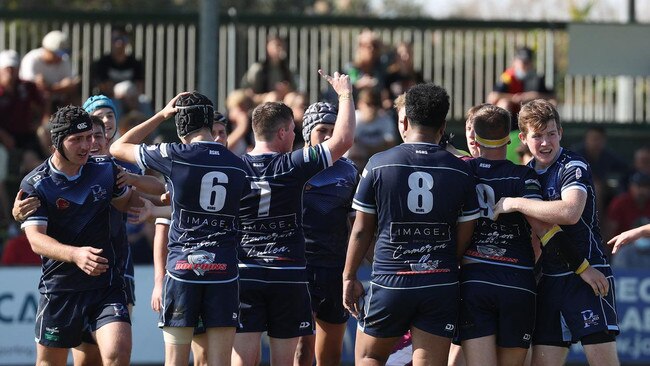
column 640, row 164
column 519, row 83
column 117, row 66
column 368, row 71
column 401, row 73
column 49, row 67
column 271, row 79
column 18, row 252
column 375, row 130
column 628, row 209
column 21, row 106
column 128, row 99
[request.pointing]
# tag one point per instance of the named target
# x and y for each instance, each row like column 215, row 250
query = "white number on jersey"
column 486, row 200
column 213, row 194
column 420, row 198
column 265, row 197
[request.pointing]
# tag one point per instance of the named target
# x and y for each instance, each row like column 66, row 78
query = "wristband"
column 345, row 96
column 583, row 267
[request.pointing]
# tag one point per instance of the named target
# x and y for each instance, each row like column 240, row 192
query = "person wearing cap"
column 50, row 68
column 497, row 281
column 326, row 213
column 117, row 66
column 80, row 284
column 519, row 84
column 567, row 310
column 207, row 183
column 104, row 108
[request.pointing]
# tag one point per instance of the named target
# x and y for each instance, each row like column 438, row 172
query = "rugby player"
column 567, row 310
column 81, row 284
column 497, row 312
column 326, row 212
column 207, row 183
column 274, row 294
column 422, row 199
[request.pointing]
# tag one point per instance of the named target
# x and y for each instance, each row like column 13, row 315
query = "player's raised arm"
column 343, row 134
column 124, row 147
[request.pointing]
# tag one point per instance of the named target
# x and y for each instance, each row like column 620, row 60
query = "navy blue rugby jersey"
column 76, row 211
column 506, row 241
column 207, row 183
column 119, row 225
column 271, row 215
column 419, row 192
column 571, row 171
column 327, row 204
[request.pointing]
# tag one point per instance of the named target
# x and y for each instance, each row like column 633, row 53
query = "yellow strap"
column 549, row 234
column 583, row 267
column 492, row 143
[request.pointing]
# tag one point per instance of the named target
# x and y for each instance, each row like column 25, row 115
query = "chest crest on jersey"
column 62, row 203
column 99, row 193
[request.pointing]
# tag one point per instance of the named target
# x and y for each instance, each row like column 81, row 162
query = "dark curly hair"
column 427, row 105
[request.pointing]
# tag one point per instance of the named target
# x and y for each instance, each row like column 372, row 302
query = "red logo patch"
column 62, row 204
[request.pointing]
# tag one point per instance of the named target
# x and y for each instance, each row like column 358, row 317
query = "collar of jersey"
column 419, row 143
column 58, row 172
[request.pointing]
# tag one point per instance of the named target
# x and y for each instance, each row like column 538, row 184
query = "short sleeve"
column 471, row 209
column 311, row 160
column 40, row 216
column 364, row 199
column 575, row 175
column 156, row 157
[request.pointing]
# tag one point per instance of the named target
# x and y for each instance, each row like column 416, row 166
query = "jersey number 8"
column 420, row 198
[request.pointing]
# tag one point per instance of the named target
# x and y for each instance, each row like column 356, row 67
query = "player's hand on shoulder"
column 88, row 259
column 340, row 82
column 24, row 208
column 624, row 238
column 124, row 178
column 596, row 280
column 352, row 293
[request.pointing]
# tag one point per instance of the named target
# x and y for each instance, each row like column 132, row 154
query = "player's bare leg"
column 86, row 354
column 429, row 349
column 283, row 350
column 200, row 349
column 114, row 343
column 549, row 355
column 246, row 349
column 602, row 354
column 456, row 357
column 480, row 351
column 329, row 343
column 305, row 351
column 371, row 351
column 511, row 356
column 220, row 345
column 51, row 356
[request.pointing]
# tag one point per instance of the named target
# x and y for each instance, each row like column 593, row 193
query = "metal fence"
column 466, row 57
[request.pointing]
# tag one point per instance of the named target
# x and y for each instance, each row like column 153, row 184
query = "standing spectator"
column 239, row 106
column 375, row 128
column 50, row 68
column 519, row 84
column 628, row 209
column 117, row 66
column 270, row 79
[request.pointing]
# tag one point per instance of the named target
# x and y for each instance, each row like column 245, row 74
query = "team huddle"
column 262, row 243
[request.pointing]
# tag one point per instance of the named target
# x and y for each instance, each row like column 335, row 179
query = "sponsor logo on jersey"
column 423, row 152
column 201, row 262
column 62, row 203
column 484, row 165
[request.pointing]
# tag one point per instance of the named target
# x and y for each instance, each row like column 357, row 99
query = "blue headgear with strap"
column 96, row 102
